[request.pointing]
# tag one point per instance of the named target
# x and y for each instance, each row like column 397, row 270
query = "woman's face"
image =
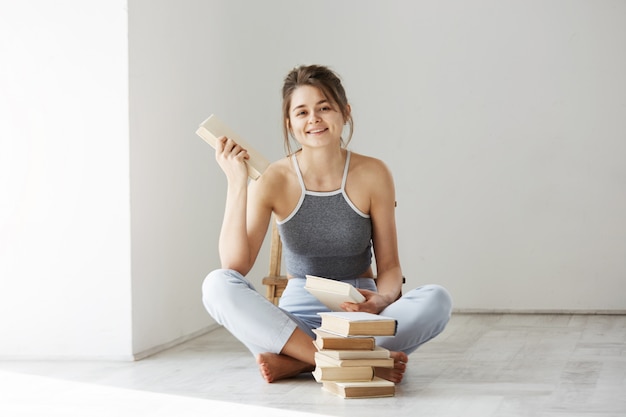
column 313, row 119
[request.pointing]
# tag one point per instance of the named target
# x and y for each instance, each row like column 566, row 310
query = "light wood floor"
column 481, row 365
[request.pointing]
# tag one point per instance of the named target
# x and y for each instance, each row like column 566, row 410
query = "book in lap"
column 377, row 387
column 212, row 128
column 332, row 293
column 346, row 323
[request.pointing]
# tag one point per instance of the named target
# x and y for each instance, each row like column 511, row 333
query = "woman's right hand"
column 231, row 158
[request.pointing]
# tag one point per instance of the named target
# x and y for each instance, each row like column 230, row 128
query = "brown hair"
column 328, row 82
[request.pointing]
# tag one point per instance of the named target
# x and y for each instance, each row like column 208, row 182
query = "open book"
column 332, row 293
column 212, row 128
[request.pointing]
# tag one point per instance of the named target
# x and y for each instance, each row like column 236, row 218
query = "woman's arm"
column 384, row 238
column 245, row 216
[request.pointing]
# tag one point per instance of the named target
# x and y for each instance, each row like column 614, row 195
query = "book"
column 325, row 340
column 377, row 387
column 376, row 353
column 332, row 292
column 345, row 323
column 337, row 373
column 350, row 373
column 212, row 128
column 321, row 359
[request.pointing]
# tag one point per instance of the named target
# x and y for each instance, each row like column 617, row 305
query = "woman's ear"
column 348, row 112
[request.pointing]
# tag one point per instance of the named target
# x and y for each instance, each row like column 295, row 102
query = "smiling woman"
column 333, row 209
column 312, row 117
column 328, row 87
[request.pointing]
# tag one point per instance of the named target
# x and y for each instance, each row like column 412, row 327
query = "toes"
column 264, row 368
column 401, row 366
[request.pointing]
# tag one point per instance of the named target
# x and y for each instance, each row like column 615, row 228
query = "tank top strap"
column 297, row 168
column 345, row 171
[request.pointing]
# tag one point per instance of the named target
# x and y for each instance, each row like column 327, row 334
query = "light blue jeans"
column 233, row 302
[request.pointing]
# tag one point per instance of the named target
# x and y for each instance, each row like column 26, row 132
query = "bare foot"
column 396, row 373
column 274, row 366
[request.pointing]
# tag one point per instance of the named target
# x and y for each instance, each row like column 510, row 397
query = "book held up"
column 212, row 128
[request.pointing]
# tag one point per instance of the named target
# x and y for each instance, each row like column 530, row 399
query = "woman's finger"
column 220, row 143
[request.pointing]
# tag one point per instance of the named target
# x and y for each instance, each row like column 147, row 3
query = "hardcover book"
column 376, row 353
column 332, row 293
column 377, row 387
column 325, row 340
column 346, row 323
column 321, row 359
column 337, row 373
column 212, row 128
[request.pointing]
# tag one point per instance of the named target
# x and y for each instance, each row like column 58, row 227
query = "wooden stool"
column 275, row 282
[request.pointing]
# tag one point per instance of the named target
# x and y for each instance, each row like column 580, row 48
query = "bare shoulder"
column 275, row 182
column 370, row 183
column 277, row 171
column 369, row 168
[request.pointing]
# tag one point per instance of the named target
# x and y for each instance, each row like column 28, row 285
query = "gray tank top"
column 326, row 234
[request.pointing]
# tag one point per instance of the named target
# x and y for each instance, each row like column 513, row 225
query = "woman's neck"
column 322, row 169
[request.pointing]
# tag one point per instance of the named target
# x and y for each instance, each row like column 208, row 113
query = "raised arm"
column 246, row 214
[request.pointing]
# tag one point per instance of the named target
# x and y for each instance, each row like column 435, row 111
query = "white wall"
column 64, row 211
column 104, row 239
column 504, row 125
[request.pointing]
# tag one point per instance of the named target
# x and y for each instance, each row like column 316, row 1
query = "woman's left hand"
column 374, row 303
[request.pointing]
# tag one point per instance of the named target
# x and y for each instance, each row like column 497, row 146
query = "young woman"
column 333, row 208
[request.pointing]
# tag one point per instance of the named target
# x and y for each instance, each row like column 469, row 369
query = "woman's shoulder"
column 277, row 174
column 364, row 164
column 275, row 188
column 369, row 181
column 279, row 170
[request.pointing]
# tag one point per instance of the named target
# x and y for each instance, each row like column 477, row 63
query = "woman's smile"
column 317, row 131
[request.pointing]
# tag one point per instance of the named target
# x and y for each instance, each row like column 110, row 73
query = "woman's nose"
column 313, row 118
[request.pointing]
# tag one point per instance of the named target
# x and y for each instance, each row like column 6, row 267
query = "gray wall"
column 504, row 124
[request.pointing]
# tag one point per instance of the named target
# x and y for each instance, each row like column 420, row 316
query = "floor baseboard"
column 537, row 311
column 137, row 356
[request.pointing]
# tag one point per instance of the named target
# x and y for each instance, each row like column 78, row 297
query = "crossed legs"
column 283, row 349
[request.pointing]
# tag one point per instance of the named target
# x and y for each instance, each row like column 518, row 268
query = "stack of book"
column 347, row 354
